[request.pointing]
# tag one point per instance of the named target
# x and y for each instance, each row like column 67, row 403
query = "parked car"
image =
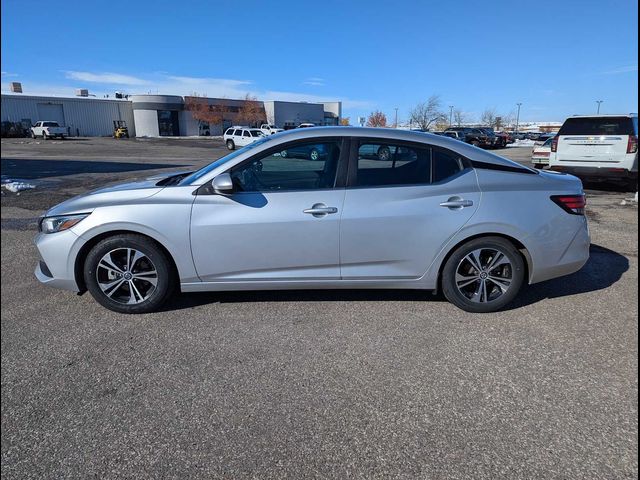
column 540, row 154
column 473, row 136
column 507, row 139
column 493, row 140
column 268, row 129
column 308, row 151
column 241, row 136
column 542, row 139
column 458, row 135
column 48, row 130
column 255, row 220
column 598, row 147
column 306, row 125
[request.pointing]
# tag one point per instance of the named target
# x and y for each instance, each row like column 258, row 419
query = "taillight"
column 632, row 144
column 573, row 204
column 554, row 144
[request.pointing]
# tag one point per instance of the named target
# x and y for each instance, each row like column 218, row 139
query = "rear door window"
column 598, row 126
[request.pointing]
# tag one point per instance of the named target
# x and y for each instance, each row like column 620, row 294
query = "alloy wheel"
column 484, row 275
column 127, row 276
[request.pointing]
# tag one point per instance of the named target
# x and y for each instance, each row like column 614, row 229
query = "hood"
column 119, row 194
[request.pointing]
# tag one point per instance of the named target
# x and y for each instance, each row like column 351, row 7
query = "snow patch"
column 15, row 186
column 522, row 143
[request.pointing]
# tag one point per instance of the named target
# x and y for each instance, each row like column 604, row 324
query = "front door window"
column 302, row 166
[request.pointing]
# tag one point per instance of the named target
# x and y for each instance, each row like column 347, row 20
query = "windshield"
column 212, row 166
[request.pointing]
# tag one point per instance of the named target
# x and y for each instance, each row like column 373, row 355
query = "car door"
column 399, row 213
column 281, row 223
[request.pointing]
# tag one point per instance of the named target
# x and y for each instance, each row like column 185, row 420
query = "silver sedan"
column 431, row 213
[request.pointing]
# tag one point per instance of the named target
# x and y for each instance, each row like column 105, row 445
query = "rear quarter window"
column 598, row 126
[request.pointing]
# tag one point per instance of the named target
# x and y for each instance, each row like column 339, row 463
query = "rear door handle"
column 457, row 203
column 320, row 210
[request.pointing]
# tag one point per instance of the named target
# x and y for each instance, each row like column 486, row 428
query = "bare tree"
column 459, row 117
column 489, row 117
column 427, row 113
column 377, row 119
column 251, row 112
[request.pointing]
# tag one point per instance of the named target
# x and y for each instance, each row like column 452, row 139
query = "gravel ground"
column 364, row 384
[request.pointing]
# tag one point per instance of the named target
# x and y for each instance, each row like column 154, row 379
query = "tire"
column 44, row 136
column 101, row 279
column 383, row 153
column 284, row 154
column 539, row 166
column 314, row 154
column 33, row 135
column 231, row 145
column 468, row 294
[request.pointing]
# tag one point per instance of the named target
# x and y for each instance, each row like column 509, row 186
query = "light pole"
column 518, row 117
column 450, row 115
column 599, row 102
column 395, row 123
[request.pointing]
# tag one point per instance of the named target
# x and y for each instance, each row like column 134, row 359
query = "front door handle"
column 320, row 210
column 457, row 203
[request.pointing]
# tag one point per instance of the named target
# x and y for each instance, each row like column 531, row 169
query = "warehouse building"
column 161, row 115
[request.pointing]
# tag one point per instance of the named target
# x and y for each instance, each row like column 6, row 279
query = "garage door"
column 52, row 112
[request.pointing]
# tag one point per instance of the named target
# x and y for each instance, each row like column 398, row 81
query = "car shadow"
column 604, row 268
column 30, row 169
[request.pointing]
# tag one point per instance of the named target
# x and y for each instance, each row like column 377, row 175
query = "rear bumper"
column 574, row 257
column 540, row 160
column 605, row 173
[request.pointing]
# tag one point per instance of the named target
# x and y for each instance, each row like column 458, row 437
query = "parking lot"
column 310, row 384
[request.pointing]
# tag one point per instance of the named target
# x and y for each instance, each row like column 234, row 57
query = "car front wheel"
column 231, row 145
column 483, row 275
column 129, row 273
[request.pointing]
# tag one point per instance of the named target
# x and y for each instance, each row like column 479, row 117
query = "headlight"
column 60, row 223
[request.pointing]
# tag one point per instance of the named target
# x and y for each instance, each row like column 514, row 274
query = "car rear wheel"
column 483, row 275
column 231, row 145
column 129, row 273
column 384, row 154
column 314, row 154
column 44, row 136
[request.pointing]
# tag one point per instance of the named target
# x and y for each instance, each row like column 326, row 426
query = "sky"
column 556, row 58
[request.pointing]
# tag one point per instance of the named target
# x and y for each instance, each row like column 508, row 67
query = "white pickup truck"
column 269, row 129
column 48, row 130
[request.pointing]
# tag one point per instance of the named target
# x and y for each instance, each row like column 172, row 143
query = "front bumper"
column 56, row 267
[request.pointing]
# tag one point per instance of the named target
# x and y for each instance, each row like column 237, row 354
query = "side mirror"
column 223, row 183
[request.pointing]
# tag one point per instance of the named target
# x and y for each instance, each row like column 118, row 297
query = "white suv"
column 241, row 136
column 598, row 147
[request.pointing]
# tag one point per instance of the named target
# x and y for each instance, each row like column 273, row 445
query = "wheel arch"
column 522, row 249
column 93, row 241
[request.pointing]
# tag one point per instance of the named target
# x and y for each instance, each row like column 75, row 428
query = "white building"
column 156, row 115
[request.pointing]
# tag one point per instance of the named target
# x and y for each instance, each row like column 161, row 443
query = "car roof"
column 605, row 115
